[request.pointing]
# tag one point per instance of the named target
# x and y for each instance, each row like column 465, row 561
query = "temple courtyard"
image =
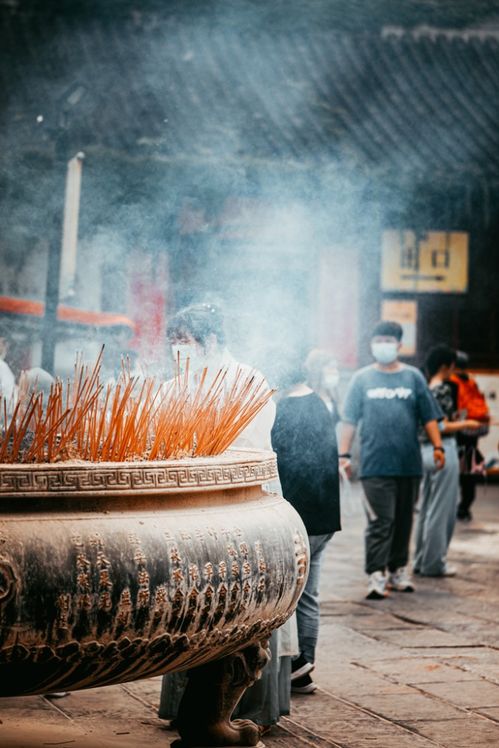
column 415, row 670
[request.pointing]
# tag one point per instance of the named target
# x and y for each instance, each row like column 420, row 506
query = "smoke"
column 219, row 164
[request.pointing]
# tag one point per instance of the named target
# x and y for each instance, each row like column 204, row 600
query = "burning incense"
column 135, row 420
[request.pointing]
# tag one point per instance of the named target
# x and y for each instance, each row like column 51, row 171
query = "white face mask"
column 183, row 351
column 385, row 353
column 331, row 380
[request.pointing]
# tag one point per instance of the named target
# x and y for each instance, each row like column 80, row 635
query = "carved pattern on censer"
column 117, row 661
column 7, row 581
column 130, row 592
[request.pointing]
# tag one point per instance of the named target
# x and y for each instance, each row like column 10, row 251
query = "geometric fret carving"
column 234, row 468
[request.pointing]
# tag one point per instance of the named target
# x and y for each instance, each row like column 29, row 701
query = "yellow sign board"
column 425, row 262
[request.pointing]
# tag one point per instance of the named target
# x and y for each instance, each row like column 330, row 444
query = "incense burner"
column 111, row 572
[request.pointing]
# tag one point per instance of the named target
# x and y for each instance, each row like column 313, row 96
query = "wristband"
column 345, row 455
column 439, row 449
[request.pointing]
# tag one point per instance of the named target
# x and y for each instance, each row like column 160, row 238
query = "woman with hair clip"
column 304, row 438
column 197, row 334
column 440, row 488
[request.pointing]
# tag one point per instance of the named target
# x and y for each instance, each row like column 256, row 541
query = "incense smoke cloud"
column 239, row 227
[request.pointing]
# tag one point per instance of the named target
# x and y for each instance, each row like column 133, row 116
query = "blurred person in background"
column 440, row 488
column 471, row 404
column 7, row 378
column 304, row 439
column 197, row 338
column 37, row 379
column 389, row 400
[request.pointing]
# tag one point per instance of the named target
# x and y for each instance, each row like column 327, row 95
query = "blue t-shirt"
column 390, row 407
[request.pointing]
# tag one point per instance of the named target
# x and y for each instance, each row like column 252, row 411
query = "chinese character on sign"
column 430, row 262
column 440, row 258
column 409, row 256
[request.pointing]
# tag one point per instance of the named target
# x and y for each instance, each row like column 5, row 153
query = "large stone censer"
column 111, row 572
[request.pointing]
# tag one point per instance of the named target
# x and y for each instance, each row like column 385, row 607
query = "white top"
column 256, row 435
column 7, row 382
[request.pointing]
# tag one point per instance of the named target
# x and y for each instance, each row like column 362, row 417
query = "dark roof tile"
column 394, row 102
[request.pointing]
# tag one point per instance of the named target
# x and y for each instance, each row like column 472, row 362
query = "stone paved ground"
column 415, row 670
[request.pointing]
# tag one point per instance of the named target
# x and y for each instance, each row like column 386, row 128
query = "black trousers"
column 467, row 484
column 467, row 480
column 389, row 507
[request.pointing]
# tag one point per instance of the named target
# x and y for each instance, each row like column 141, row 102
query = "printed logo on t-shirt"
column 389, row 393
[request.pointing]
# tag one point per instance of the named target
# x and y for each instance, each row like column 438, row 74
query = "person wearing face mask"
column 197, row 338
column 437, row 514
column 389, row 400
column 304, row 439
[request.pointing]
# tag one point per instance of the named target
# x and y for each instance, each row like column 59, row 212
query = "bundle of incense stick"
column 134, row 419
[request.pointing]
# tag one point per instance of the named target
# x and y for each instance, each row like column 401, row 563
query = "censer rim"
column 233, row 468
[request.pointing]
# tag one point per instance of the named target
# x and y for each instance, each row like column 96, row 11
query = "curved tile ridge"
column 434, row 33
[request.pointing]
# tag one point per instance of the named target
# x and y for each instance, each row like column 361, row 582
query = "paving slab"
column 410, row 670
column 337, row 607
column 472, row 732
column 470, row 694
column 346, row 682
column 31, row 708
column 414, row 638
column 377, row 620
column 337, row 720
column 345, row 639
column 490, row 712
column 452, row 653
column 483, row 669
column 106, row 702
column 407, row 707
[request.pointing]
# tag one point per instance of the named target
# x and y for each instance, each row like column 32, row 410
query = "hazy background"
column 233, row 149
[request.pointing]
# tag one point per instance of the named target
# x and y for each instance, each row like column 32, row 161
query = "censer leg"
column 212, row 693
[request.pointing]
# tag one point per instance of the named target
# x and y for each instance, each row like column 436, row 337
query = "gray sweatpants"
column 437, row 514
column 389, row 508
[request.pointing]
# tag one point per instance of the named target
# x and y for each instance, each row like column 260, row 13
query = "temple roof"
column 394, row 99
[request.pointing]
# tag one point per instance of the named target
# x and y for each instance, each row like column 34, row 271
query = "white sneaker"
column 376, row 587
column 400, row 580
column 449, row 571
column 57, row 694
column 305, row 684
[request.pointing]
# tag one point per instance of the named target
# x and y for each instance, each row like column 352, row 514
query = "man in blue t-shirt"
column 390, row 401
